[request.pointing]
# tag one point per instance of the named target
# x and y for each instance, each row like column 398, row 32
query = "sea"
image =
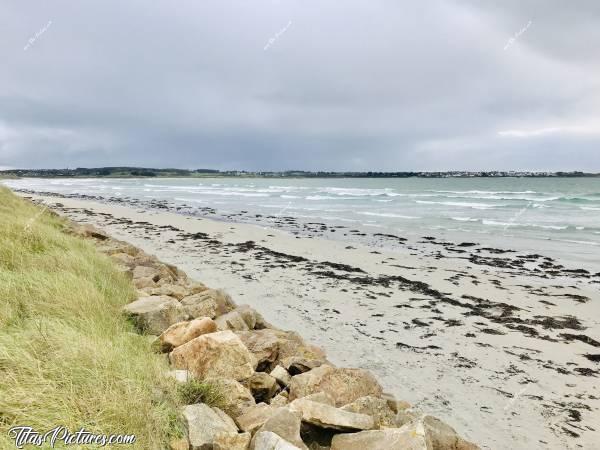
column 554, row 216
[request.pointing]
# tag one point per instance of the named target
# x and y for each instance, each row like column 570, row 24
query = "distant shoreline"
column 140, row 172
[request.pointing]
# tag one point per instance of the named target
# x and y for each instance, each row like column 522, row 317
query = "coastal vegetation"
column 137, row 172
column 68, row 357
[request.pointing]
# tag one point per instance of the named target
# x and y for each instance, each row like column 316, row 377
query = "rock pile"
column 279, row 392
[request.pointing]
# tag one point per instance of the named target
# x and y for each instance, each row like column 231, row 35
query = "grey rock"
column 266, row 440
column 204, row 424
column 199, row 305
column 215, row 355
column 154, row 314
column 262, row 385
column 343, row 385
column 326, row 416
column 281, row 375
column 233, row 320
column 146, row 272
column 255, row 417
column 286, row 424
column 280, row 399
column 236, row 397
column 375, row 407
column 228, row 441
column 387, row 439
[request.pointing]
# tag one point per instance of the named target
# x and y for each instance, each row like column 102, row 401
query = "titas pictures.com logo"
column 24, row 435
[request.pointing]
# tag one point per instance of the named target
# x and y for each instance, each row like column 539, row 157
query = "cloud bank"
column 353, row 85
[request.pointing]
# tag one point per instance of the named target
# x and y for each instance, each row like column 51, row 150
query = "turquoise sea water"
column 559, row 215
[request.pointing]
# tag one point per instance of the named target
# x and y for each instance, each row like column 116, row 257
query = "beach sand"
column 502, row 346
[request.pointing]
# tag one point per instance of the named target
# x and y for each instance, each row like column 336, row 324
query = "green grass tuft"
column 195, row 391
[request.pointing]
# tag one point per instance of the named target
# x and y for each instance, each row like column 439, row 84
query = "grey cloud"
column 348, row 86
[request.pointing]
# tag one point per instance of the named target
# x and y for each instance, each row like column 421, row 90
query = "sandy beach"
column 502, row 345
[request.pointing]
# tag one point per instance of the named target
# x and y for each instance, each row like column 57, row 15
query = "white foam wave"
column 465, row 219
column 356, row 192
column 399, row 216
column 460, row 204
column 487, row 192
column 579, row 242
column 329, row 197
column 502, row 197
column 516, row 224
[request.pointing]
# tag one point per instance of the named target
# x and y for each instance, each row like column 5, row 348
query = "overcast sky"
column 306, row 84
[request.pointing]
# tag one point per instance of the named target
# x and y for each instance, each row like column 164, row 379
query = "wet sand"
column 502, row 345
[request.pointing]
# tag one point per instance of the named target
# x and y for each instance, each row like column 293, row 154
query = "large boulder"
column 179, row 276
column 220, row 354
column 144, row 259
column 154, row 314
column 286, row 424
column 168, row 274
column 233, row 320
column 199, row 305
column 377, row 408
column 255, row 417
column 236, row 398
column 172, row 290
column 224, row 301
column 124, row 259
column 441, row 436
column 280, row 399
column 270, row 346
column 204, row 424
column 150, row 267
column 209, row 303
column 321, row 397
column 386, row 439
column 407, row 415
column 296, row 365
column 264, row 345
column 229, row 441
column 281, row 375
column 146, row 272
column 395, row 404
column 262, row 385
column 343, row 385
column 326, row 416
column 253, row 318
column 295, row 346
column 193, row 287
column 182, row 332
column 146, row 284
column 426, row 433
column 267, row 440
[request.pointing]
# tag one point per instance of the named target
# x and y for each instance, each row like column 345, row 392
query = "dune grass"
column 67, row 355
column 196, row 391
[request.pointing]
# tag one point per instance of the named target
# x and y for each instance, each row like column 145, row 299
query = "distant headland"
column 125, row 172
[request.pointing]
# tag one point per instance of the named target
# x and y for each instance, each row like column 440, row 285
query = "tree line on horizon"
column 172, row 172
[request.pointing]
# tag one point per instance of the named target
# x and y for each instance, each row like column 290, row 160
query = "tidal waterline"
column 558, row 216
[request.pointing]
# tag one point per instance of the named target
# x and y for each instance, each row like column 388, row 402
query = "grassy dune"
column 67, row 355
